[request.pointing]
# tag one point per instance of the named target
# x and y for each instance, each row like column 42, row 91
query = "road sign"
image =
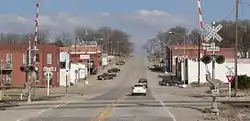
column 46, row 68
column 213, row 47
column 85, row 57
column 213, row 33
column 230, row 78
column 230, row 74
column 48, row 75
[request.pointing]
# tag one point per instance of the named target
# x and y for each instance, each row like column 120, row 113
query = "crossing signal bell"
column 206, row 59
column 219, row 59
column 28, row 68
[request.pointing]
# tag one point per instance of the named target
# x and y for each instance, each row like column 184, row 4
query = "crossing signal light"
column 206, row 59
column 22, row 68
column 32, row 68
column 28, row 68
column 219, row 59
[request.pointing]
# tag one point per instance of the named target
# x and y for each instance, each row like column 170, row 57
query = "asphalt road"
column 107, row 101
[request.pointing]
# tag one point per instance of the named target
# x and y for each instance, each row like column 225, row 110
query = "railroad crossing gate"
column 211, row 32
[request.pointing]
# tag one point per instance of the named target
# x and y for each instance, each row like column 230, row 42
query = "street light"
column 1, row 71
column 118, row 47
column 184, row 38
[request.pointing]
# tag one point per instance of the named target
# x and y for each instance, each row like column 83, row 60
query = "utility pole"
column 213, row 60
column 199, row 59
column 107, row 42
column 236, row 46
column 75, row 46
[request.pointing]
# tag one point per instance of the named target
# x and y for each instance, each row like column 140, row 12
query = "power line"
column 230, row 13
column 242, row 8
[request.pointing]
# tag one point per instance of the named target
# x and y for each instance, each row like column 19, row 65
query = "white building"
column 220, row 70
column 70, row 73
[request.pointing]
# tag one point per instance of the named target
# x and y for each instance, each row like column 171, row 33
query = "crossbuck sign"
column 212, row 32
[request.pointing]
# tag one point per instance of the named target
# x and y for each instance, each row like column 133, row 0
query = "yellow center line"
column 105, row 111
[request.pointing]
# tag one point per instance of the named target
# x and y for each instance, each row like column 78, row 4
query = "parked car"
column 94, row 72
column 170, row 82
column 156, row 68
column 120, row 63
column 106, row 76
column 139, row 89
column 163, row 83
column 114, row 70
column 143, row 81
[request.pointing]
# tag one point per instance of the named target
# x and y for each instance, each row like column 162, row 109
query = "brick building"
column 191, row 51
column 76, row 51
column 12, row 57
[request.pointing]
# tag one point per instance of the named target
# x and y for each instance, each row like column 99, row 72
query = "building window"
column 62, row 65
column 37, row 76
column 25, row 59
column 49, row 58
column 37, row 57
column 9, row 57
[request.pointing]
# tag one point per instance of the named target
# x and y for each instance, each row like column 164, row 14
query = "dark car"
column 120, row 63
column 155, row 68
column 163, row 83
column 106, row 76
column 143, row 81
column 114, row 70
column 170, row 82
column 94, row 72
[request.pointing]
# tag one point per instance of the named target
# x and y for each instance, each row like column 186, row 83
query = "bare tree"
column 194, row 36
column 11, row 38
column 17, row 38
column 228, row 35
column 84, row 35
column 178, row 33
column 114, row 41
column 105, row 34
column 64, row 39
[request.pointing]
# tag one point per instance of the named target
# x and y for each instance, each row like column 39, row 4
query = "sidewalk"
column 57, row 92
column 78, row 88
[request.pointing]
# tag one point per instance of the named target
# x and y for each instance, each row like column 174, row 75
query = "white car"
column 139, row 89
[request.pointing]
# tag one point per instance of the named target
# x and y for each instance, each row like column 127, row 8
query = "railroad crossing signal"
column 212, row 32
column 213, row 47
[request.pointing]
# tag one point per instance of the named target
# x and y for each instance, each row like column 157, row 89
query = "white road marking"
column 43, row 111
column 57, row 106
column 163, row 105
